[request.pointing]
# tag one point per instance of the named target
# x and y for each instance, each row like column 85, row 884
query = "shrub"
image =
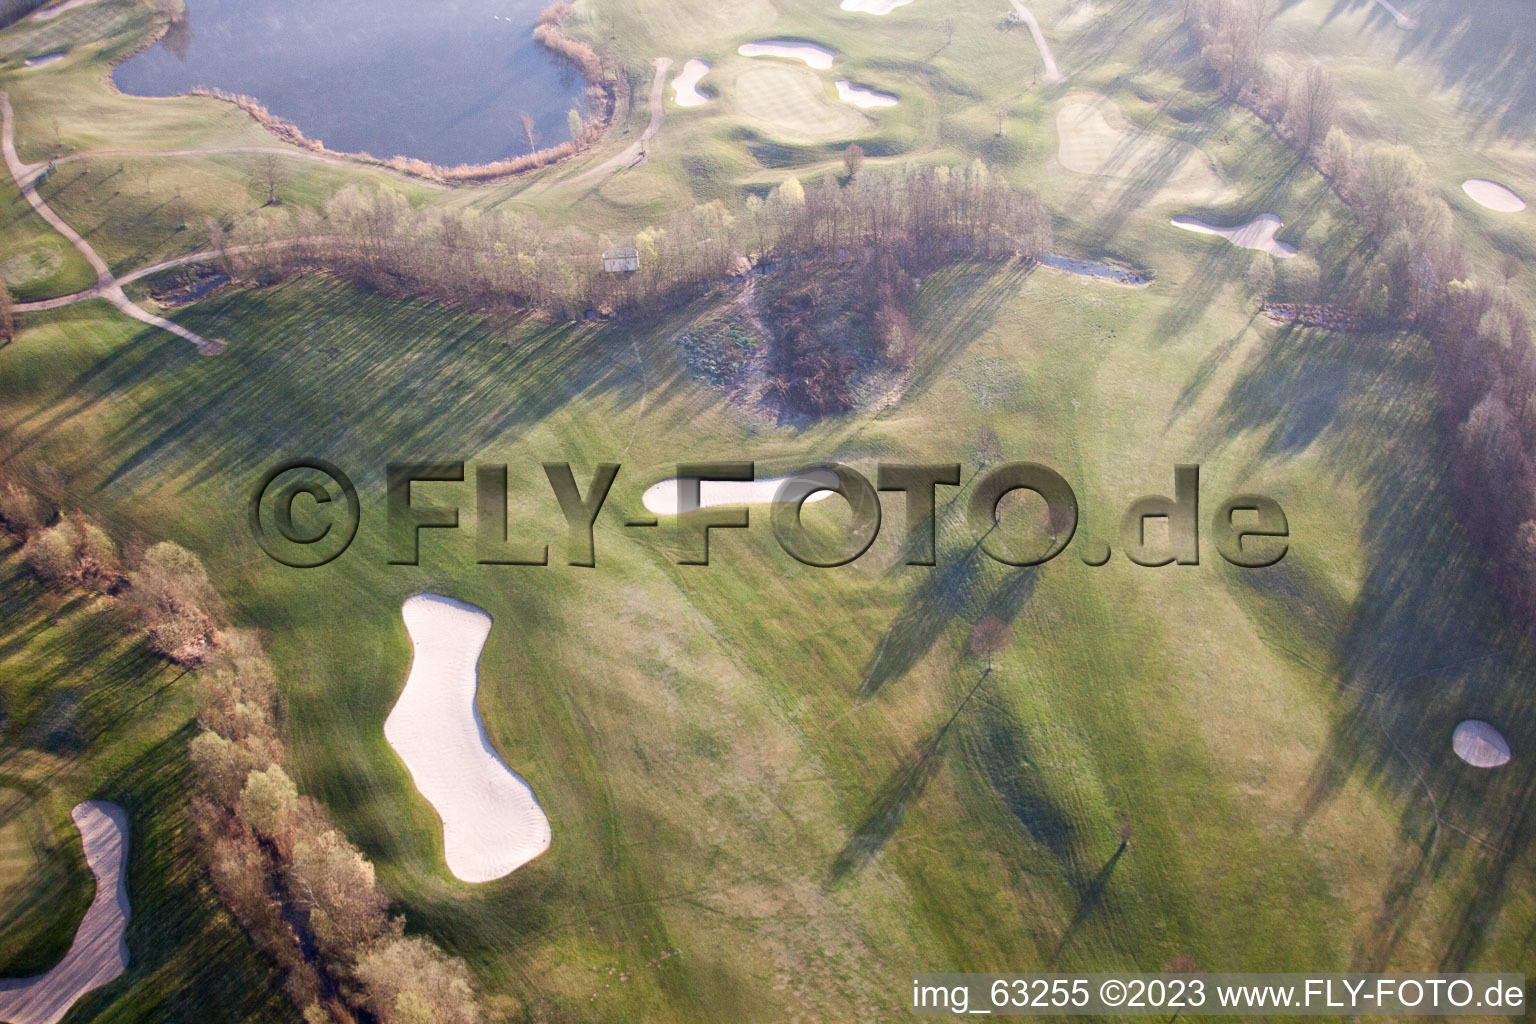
column 409, row 980
column 74, row 553
column 269, row 804
column 172, row 594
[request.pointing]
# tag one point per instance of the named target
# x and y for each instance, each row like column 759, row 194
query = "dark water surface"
column 440, row 80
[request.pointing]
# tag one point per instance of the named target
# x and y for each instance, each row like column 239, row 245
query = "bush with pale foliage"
column 411, row 981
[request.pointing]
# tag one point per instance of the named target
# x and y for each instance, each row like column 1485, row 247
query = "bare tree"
column 989, row 636
column 985, row 445
column 1311, row 108
column 1002, row 119
column 272, row 174
column 853, row 159
column 530, row 132
column 948, row 25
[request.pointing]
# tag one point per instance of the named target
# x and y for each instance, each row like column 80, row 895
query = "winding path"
column 206, row 256
column 107, row 286
column 631, row 153
column 1052, row 72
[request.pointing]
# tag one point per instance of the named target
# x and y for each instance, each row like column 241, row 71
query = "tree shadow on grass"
column 1423, row 645
column 904, row 786
column 379, row 380
column 1090, row 895
column 1481, row 51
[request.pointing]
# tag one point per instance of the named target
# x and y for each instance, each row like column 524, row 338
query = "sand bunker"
column 1479, row 744
column 685, row 87
column 1258, row 234
column 814, row 56
column 99, row 952
column 47, row 58
column 1094, row 138
column 492, row 822
column 1493, row 195
column 875, row 7
column 862, row 97
column 661, row 497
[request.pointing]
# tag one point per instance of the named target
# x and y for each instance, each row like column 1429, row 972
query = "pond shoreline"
column 607, row 93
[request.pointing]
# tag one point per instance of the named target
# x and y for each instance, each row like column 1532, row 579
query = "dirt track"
column 107, row 286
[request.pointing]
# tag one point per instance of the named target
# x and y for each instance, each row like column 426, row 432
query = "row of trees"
column 1231, row 36
column 1413, row 272
column 850, row 252
column 307, row 897
column 477, row 259
column 303, row 893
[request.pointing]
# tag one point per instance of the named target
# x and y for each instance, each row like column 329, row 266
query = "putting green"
column 1095, row 138
column 792, row 103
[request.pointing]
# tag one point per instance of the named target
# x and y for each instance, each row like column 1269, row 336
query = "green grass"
column 37, row 263
column 729, row 769
column 89, row 714
column 792, row 104
column 759, row 764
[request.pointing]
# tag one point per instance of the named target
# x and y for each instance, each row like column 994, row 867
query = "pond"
column 443, row 82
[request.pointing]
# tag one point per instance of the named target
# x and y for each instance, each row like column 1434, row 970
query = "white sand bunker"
column 1258, row 234
column 1095, row 138
column 878, row 8
column 859, row 96
column 99, row 952
column 661, row 497
column 1479, row 744
column 1491, row 194
column 685, row 87
column 492, row 822
column 814, row 56
column 46, row 58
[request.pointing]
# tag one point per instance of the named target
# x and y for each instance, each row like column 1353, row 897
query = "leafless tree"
column 1311, row 108
column 853, row 159
column 988, row 637
column 272, row 174
column 530, row 132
